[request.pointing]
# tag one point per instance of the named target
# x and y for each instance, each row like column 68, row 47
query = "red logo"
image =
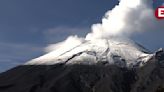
column 159, row 12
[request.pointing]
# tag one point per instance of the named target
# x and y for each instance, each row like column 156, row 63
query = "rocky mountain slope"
column 115, row 50
column 101, row 65
column 85, row 78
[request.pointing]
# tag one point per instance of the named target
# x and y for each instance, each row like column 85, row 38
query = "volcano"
column 106, row 60
column 101, row 65
column 119, row 51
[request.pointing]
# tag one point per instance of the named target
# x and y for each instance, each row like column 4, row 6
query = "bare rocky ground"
column 85, row 78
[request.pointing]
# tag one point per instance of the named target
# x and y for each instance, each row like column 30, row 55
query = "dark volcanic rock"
column 82, row 78
column 60, row 78
column 85, row 78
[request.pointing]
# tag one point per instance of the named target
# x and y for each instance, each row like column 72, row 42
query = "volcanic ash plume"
column 126, row 18
column 130, row 16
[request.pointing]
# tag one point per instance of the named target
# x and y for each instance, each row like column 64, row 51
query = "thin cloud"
column 60, row 33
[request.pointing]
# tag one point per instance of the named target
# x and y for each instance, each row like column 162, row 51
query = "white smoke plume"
column 129, row 16
column 126, row 18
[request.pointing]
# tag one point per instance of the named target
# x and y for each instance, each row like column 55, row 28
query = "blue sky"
column 26, row 26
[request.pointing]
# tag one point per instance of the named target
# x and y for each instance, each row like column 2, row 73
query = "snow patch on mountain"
column 116, row 50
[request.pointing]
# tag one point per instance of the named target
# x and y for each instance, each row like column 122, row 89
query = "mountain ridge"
column 120, row 50
column 85, row 78
column 88, row 68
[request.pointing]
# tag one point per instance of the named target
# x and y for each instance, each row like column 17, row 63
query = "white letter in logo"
column 161, row 12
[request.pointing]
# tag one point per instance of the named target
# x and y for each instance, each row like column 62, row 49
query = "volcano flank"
column 106, row 60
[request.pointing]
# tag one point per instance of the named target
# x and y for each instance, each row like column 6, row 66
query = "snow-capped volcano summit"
column 115, row 50
column 102, row 45
column 104, row 61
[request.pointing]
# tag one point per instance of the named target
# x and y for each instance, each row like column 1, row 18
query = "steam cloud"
column 126, row 18
column 129, row 17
